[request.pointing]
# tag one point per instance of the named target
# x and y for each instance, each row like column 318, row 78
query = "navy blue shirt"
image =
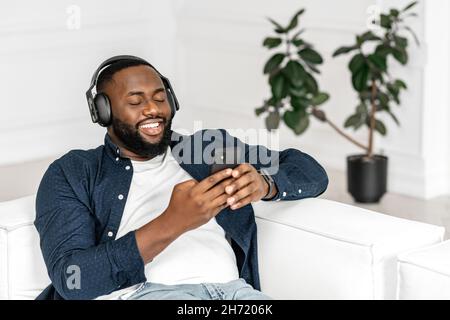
column 82, row 196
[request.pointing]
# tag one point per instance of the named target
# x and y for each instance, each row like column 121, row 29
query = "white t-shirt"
column 201, row 255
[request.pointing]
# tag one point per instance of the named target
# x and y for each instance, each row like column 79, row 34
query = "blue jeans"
column 233, row 290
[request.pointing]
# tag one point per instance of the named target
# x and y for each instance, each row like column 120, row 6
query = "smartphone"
column 225, row 158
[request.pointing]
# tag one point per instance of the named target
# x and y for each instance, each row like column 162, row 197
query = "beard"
column 133, row 141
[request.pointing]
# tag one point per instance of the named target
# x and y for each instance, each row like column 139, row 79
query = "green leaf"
column 297, row 42
column 274, row 62
column 273, row 120
column 279, row 86
column 369, row 36
column 300, row 103
column 272, row 42
column 357, row 62
column 416, row 39
column 380, row 127
column 394, row 118
column 343, row 50
column 296, row 120
column 409, row 6
column 311, row 56
column 312, row 68
column 296, row 92
column 400, row 55
column 298, row 33
column 385, row 21
column 361, row 109
column 359, row 78
column 383, row 98
column 320, row 98
column 383, row 50
column 394, row 13
column 294, row 72
column 260, row 110
column 294, row 20
column 378, row 61
column 400, row 84
column 311, row 84
column 352, row 121
column 394, row 91
column 401, row 42
column 278, row 27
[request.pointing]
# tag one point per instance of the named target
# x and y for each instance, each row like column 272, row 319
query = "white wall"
column 220, row 61
column 212, row 52
column 46, row 67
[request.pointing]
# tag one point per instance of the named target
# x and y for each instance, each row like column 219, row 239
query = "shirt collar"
column 112, row 149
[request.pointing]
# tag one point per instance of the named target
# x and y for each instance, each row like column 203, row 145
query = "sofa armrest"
column 321, row 249
column 22, row 270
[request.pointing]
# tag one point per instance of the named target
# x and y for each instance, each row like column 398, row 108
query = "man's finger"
column 212, row 180
column 241, row 194
column 220, row 201
column 241, row 169
column 218, row 189
column 239, row 183
column 243, row 202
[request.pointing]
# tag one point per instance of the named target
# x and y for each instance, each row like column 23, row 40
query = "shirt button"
column 110, row 234
column 120, row 197
column 127, row 168
column 299, row 190
column 117, row 159
column 278, row 200
column 117, row 151
column 284, row 194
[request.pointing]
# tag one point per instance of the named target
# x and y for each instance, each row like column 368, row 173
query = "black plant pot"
column 367, row 177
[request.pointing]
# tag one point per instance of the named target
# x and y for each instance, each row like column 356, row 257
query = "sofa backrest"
column 23, row 274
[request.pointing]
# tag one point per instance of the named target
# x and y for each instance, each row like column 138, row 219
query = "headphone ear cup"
column 103, row 106
column 171, row 100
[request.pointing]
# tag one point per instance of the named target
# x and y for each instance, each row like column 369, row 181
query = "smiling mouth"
column 152, row 128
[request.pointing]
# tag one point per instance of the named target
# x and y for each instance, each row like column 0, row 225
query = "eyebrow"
column 141, row 93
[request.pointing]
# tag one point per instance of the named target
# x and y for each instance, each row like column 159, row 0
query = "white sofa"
column 308, row 249
column 424, row 274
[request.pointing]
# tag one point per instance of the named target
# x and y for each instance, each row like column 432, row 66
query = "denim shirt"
column 82, row 196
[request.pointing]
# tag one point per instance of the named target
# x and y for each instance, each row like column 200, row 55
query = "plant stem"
column 372, row 119
column 342, row 133
column 288, row 47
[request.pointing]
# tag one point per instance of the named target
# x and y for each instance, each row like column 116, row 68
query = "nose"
column 151, row 109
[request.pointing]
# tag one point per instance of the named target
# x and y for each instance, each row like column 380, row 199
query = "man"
column 142, row 217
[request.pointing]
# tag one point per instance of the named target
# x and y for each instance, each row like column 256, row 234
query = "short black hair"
column 107, row 74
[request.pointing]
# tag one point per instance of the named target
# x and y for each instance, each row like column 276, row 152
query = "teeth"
column 151, row 125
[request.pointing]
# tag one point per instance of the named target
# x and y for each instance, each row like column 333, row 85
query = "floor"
column 434, row 211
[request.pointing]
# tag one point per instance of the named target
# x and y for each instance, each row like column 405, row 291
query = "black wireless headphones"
column 99, row 105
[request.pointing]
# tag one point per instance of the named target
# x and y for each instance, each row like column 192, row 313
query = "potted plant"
column 295, row 91
column 377, row 91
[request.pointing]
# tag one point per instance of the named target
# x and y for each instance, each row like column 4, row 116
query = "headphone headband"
column 93, row 108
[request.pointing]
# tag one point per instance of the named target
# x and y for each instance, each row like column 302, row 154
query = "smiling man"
column 143, row 216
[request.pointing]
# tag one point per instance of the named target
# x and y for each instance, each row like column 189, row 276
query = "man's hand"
column 193, row 203
column 248, row 186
